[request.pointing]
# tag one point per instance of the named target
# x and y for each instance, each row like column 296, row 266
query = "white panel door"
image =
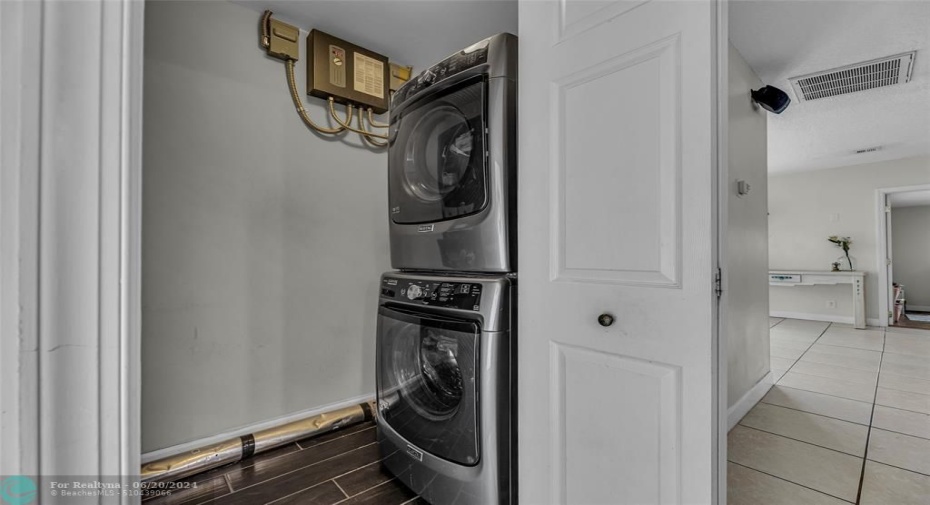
column 616, row 209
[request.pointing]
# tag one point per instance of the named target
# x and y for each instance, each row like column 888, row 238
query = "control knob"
column 414, row 292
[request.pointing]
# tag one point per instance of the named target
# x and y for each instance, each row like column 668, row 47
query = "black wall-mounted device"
column 347, row 72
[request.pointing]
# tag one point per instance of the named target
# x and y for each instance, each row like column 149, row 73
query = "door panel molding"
column 638, row 224
column 570, row 24
column 647, row 402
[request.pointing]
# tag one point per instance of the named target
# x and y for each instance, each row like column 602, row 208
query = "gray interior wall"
column 807, row 207
column 262, row 242
column 747, row 235
column 910, row 249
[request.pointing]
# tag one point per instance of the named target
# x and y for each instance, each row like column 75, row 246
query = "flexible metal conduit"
column 235, row 449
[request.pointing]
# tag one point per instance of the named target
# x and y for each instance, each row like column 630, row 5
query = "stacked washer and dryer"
column 446, row 340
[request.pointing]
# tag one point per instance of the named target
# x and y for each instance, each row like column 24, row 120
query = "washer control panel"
column 456, row 295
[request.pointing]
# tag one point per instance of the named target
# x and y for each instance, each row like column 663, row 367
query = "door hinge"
column 718, row 283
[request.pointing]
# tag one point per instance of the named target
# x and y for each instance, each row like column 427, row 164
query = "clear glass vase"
column 844, row 262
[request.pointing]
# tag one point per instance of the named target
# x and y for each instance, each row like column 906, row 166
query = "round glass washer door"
column 426, row 367
column 427, row 374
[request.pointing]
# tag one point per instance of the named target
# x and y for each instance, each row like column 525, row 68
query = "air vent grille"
column 852, row 78
column 868, row 150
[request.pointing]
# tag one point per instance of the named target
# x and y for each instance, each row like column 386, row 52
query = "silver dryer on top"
column 452, row 163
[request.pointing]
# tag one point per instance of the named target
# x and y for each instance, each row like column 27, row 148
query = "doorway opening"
column 844, row 384
column 903, row 239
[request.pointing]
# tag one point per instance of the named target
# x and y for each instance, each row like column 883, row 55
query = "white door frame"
column 885, row 302
column 70, row 207
column 721, row 195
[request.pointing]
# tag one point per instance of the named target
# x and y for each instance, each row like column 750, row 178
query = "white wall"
column 262, row 242
column 910, row 249
column 747, row 236
column 807, row 207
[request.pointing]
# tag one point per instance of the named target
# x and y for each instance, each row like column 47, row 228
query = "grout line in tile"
column 357, row 469
column 899, row 433
column 340, row 487
column 874, row 388
column 847, row 347
column 202, row 500
column 814, row 413
column 799, row 357
column 788, row 481
column 307, row 466
column 367, row 490
column 302, row 448
column 868, row 435
column 297, row 492
column 804, row 441
column 898, row 467
column 809, row 413
column 899, row 408
column 228, row 483
column 826, row 394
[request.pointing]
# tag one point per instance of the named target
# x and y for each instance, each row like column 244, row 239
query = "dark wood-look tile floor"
column 906, row 322
column 340, row 467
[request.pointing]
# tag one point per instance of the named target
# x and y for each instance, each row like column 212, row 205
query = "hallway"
column 848, row 420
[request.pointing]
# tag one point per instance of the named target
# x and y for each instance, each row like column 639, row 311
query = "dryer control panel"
column 472, row 56
column 455, row 295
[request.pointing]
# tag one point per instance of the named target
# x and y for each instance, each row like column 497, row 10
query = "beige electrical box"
column 399, row 75
column 347, row 72
column 283, row 40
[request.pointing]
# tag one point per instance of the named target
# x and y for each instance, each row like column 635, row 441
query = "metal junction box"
column 347, row 72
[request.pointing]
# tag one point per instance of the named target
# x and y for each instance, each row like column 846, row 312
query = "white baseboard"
column 748, row 401
column 252, row 428
column 919, row 308
column 830, row 318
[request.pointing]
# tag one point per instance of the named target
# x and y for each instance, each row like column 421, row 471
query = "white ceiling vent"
column 852, row 78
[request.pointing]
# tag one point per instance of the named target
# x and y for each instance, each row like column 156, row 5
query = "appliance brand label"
column 414, row 453
column 425, row 227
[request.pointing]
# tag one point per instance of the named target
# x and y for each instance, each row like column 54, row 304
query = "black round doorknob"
column 605, row 320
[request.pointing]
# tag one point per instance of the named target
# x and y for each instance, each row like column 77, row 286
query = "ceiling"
column 409, row 32
column 909, row 198
column 781, row 39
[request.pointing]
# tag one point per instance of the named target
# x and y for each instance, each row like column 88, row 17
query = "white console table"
column 797, row 278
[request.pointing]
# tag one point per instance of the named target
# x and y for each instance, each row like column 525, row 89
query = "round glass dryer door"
column 426, row 382
column 437, row 162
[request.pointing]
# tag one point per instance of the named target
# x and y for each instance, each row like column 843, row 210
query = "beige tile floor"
column 848, row 420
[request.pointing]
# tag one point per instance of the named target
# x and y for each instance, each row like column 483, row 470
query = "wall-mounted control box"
column 347, row 72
